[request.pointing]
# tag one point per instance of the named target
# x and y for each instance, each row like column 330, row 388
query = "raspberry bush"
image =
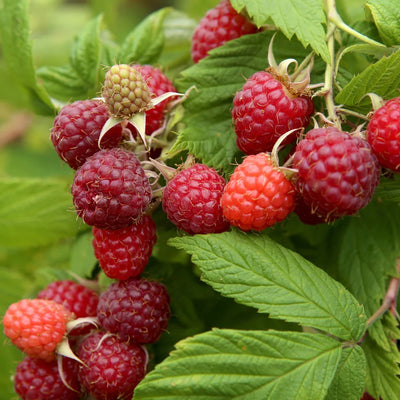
column 200, row 201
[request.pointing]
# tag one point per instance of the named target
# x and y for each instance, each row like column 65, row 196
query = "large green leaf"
column 305, row 20
column 389, row 189
column 35, row 212
column 246, row 365
column 260, row 273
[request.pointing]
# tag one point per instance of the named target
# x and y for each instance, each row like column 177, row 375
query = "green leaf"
column 389, row 189
column 145, row 43
column 381, row 78
column 251, row 365
column 386, row 15
column 305, row 20
column 17, row 51
column 382, row 371
column 82, row 259
column 260, row 273
column 35, row 212
column 349, row 380
column 208, row 133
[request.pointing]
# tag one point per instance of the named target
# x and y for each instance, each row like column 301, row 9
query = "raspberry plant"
column 276, row 279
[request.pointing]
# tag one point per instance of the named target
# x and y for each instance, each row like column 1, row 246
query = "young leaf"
column 381, row 78
column 349, row 380
column 306, row 22
column 247, row 365
column 82, row 259
column 145, row 43
column 382, row 371
column 260, row 273
column 17, row 51
column 35, row 212
column 386, row 15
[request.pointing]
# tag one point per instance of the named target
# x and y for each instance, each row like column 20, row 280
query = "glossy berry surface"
column 77, row 128
column 124, row 253
column 36, row 326
column 125, row 91
column 191, row 200
column 219, row 25
column 111, row 190
column 264, row 109
column 111, row 368
column 36, row 379
column 158, row 84
column 337, row 172
column 257, row 195
column 383, row 134
column 137, row 310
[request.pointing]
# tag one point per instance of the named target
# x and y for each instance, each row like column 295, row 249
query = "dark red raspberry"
column 36, row 379
column 191, row 200
column 264, row 109
column 309, row 216
column 124, row 253
column 258, row 195
column 136, row 309
column 111, row 190
column 367, row 396
column 383, row 134
column 158, row 84
column 337, row 172
column 220, row 25
column 111, row 368
column 77, row 128
column 36, row 326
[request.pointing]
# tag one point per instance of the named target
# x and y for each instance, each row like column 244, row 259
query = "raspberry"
column 136, row 309
column 337, row 173
column 191, row 200
column 36, row 326
column 367, row 396
column 76, row 131
column 124, row 253
column 220, row 25
column 158, row 84
column 111, row 190
column 36, row 379
column 111, row 368
column 306, row 214
column 264, row 109
column 125, row 91
column 257, row 195
column 383, row 134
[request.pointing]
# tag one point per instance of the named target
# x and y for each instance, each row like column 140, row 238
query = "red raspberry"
column 77, row 128
column 111, row 190
column 158, row 84
column 383, row 134
column 36, row 379
column 111, row 368
column 220, row 25
column 124, row 253
column 191, row 200
column 264, row 109
column 337, row 173
column 307, row 215
column 257, row 195
column 367, row 396
column 36, row 326
column 136, row 309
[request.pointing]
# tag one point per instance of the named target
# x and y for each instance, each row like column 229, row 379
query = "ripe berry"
column 383, row 134
column 111, row 368
column 257, row 195
column 337, row 172
column 135, row 309
column 307, row 215
column 266, row 108
column 111, row 190
column 158, row 84
column 124, row 253
column 77, row 128
column 36, row 326
column 367, row 396
column 125, row 91
column 191, row 200
column 220, row 25
column 36, row 379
